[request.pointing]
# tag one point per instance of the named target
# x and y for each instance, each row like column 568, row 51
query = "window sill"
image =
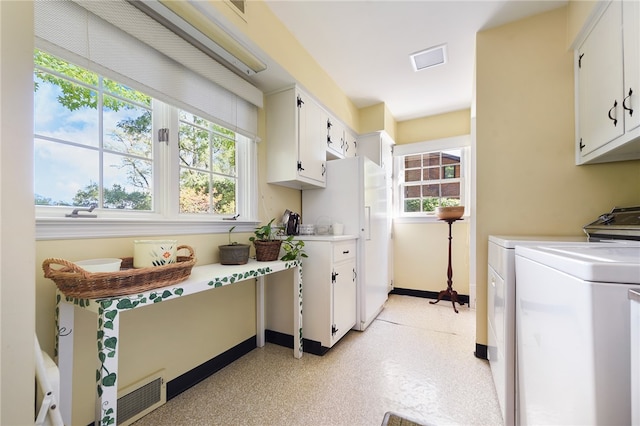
column 421, row 219
column 82, row 228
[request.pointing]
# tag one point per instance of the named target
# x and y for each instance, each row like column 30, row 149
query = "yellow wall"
column 17, row 287
column 420, row 251
column 527, row 182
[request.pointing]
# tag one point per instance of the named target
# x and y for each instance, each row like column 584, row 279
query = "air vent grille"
column 429, row 58
column 141, row 398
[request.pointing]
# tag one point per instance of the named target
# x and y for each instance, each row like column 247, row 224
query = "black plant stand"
column 453, row 295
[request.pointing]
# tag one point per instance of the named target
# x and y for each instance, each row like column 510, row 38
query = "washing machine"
column 573, row 332
column 501, row 313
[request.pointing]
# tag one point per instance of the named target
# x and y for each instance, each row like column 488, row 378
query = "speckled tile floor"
column 415, row 359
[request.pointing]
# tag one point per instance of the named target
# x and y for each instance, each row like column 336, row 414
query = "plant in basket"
column 234, row 253
column 267, row 246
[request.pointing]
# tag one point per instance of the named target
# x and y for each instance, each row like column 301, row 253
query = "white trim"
column 83, row 228
column 434, row 145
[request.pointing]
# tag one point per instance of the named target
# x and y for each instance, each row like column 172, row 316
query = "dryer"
column 501, row 313
column 572, row 333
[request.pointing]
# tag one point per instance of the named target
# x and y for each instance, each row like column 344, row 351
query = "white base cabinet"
column 328, row 293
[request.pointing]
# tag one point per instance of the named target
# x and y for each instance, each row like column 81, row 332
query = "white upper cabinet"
column 296, row 140
column 340, row 139
column 608, row 90
column 378, row 147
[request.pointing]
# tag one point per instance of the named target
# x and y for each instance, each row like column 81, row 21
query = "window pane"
column 431, row 159
column 412, row 175
column 65, row 175
column 223, row 155
column 127, row 128
column 224, row 199
column 412, row 206
column 125, row 92
column 194, row 147
column 411, row 161
column 412, row 191
column 451, row 190
column 431, row 190
column 127, row 183
column 432, row 173
column 429, row 204
column 194, row 192
column 65, row 110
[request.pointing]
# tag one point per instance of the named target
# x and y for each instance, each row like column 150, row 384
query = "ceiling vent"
column 428, row 58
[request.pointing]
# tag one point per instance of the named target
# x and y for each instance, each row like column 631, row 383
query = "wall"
column 527, row 182
column 17, row 290
column 421, row 250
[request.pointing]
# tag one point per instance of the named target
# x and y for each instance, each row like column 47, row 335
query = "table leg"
column 260, row 315
column 297, row 312
column 64, row 354
column 107, row 375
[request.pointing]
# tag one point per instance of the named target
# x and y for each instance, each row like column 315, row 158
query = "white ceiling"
column 364, row 45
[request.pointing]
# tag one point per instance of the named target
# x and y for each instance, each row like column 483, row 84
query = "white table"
column 202, row 278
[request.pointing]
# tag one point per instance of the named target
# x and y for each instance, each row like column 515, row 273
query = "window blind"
column 119, row 41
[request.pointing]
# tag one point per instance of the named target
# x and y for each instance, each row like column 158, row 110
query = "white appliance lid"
column 609, row 263
column 510, row 241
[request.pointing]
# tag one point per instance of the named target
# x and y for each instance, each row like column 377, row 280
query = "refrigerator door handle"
column 367, row 222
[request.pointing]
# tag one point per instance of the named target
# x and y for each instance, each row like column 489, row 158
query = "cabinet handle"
column 613, row 108
column 345, row 252
column 324, row 169
column 624, row 103
column 329, row 141
column 581, row 145
column 300, row 168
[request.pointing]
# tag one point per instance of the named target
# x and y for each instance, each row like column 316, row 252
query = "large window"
column 100, row 143
column 427, row 178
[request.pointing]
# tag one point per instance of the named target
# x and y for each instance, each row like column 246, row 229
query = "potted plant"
column 293, row 250
column 267, row 246
column 234, row 253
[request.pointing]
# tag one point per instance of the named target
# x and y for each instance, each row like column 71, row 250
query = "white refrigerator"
column 357, row 195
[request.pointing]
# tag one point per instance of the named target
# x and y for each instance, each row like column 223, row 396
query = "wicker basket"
column 267, row 251
column 73, row 281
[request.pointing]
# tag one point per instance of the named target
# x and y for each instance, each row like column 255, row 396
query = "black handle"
column 624, row 103
column 615, row 120
column 329, row 141
column 299, row 102
column 300, row 168
column 334, row 329
column 333, row 276
column 329, row 123
column 324, row 169
column 581, row 145
column 345, row 252
column 580, row 60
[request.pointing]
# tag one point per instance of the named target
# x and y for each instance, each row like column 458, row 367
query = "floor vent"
column 141, row 398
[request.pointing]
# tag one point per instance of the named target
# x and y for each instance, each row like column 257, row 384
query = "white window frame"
column 165, row 219
column 457, row 142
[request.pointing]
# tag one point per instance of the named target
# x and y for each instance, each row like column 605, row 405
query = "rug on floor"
column 393, row 419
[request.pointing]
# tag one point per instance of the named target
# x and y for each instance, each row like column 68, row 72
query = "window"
column 94, row 146
column 111, row 87
column 428, row 178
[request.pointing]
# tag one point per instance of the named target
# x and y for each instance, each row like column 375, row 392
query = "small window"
column 430, row 179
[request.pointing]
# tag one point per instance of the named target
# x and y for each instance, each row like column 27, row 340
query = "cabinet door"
column 344, row 299
column 350, row 145
column 335, row 137
column 311, row 152
column 600, row 82
column 631, row 29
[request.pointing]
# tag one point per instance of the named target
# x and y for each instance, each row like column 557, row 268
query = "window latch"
column 163, row 135
column 76, row 212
